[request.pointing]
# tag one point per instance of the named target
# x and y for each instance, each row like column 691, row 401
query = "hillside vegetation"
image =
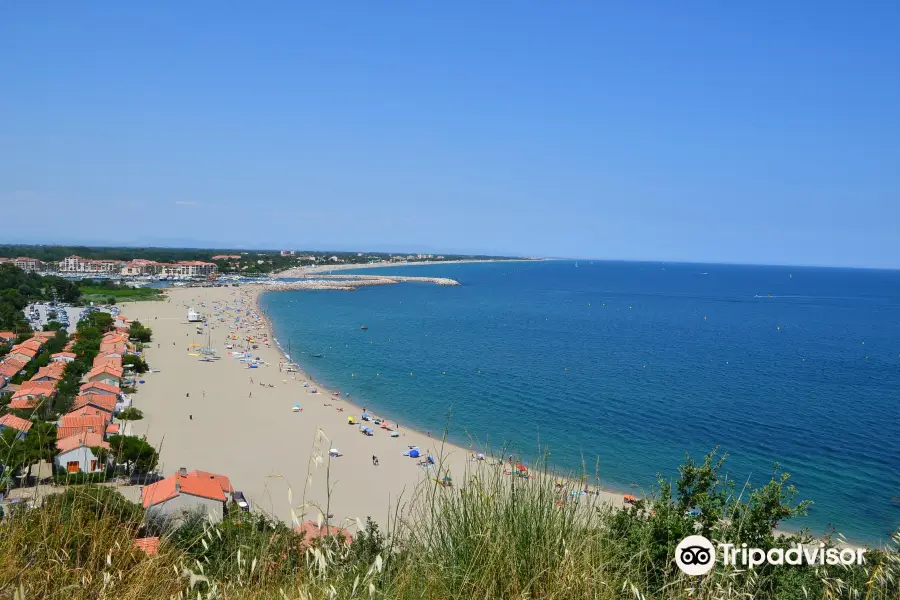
column 498, row 537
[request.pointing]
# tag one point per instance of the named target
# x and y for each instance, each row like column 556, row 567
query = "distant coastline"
column 303, row 271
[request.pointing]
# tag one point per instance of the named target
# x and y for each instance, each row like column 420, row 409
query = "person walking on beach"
column 251, row 394
column 374, row 460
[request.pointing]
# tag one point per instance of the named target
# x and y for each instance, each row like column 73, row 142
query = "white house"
column 75, row 454
column 104, row 374
column 183, row 493
column 65, row 357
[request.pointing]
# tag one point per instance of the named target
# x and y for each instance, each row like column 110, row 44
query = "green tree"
column 52, row 326
column 137, row 332
column 131, row 414
column 134, row 452
column 100, row 320
column 138, row 363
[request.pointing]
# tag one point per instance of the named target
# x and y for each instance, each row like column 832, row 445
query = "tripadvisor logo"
column 696, row 555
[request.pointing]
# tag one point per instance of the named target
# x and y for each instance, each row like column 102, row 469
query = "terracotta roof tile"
column 106, row 403
column 150, row 545
column 202, row 487
column 89, row 440
column 15, row 422
column 313, row 530
column 99, row 386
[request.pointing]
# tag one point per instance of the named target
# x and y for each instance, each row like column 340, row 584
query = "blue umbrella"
column 414, row 454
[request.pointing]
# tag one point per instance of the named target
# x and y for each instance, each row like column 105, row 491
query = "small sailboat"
column 364, row 328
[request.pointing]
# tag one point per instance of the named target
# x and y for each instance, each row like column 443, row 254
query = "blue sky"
column 735, row 132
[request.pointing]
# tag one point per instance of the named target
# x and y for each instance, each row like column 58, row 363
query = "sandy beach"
column 228, row 418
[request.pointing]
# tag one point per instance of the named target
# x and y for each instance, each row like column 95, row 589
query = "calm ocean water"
column 633, row 365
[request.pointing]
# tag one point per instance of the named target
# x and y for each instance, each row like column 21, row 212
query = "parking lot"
column 40, row 310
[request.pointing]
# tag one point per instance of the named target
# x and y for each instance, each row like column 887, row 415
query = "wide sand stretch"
column 216, row 416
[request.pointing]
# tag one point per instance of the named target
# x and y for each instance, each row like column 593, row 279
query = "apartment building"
column 76, row 264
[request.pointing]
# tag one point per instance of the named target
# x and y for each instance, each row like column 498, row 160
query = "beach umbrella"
column 522, row 468
column 414, row 454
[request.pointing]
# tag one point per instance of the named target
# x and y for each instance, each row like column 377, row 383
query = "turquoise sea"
column 625, row 367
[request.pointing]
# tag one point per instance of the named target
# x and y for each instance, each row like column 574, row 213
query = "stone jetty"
column 350, row 282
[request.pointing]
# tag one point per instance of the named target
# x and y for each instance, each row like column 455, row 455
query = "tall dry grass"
column 490, row 537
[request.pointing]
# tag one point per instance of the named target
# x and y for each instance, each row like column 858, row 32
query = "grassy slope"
column 100, row 294
column 499, row 538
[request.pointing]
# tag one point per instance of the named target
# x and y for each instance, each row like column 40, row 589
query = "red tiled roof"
column 34, row 390
column 313, row 530
column 90, row 440
column 11, row 366
column 63, row 355
column 202, row 487
column 222, row 480
column 15, row 422
column 105, row 403
column 24, row 403
column 84, row 415
column 150, row 545
column 100, row 386
column 33, row 343
column 112, row 429
column 23, row 351
column 113, row 362
column 53, row 371
column 7, row 335
column 104, row 370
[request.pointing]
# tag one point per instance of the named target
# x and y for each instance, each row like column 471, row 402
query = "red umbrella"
column 521, row 467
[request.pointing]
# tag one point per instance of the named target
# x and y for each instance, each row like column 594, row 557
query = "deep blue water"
column 633, row 365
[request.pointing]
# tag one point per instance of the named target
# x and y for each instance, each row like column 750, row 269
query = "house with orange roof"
column 85, row 416
column 63, row 357
column 99, row 388
column 14, row 422
column 22, row 353
column 51, row 373
column 107, row 375
column 183, row 493
column 31, row 394
column 112, row 348
column 105, row 403
column 113, row 362
column 77, row 454
column 8, row 337
column 35, row 343
column 79, row 425
column 44, row 336
column 10, row 367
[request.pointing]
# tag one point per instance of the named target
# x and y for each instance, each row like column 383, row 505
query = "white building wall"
column 83, row 455
column 182, row 505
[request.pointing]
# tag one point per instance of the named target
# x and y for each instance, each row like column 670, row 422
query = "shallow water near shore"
column 621, row 368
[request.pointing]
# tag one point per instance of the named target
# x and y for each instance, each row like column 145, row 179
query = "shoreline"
column 229, row 418
column 370, row 495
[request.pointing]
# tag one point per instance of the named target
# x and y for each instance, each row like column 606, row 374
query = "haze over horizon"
column 758, row 134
